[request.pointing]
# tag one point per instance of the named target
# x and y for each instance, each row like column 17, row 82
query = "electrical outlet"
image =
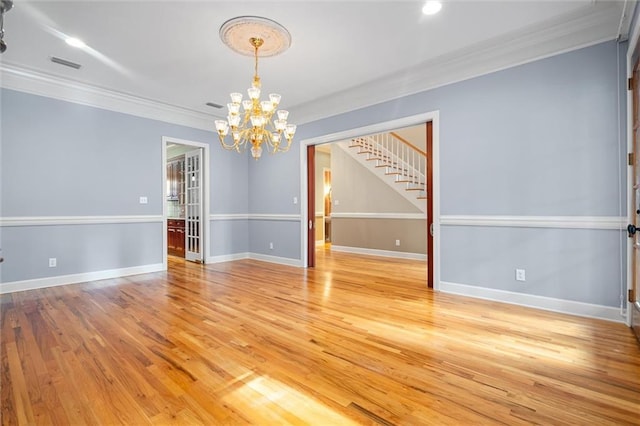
column 520, row 275
column 270, row 246
column 53, row 262
column 397, row 243
column 336, row 202
column 295, row 200
column 143, row 200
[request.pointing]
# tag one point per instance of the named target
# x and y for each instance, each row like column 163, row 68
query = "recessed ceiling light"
column 75, row 42
column 431, row 7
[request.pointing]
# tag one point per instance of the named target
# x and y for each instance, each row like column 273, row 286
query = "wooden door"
column 311, row 206
column 429, row 181
column 633, row 297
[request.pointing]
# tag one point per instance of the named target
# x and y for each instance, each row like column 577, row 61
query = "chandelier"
column 255, row 122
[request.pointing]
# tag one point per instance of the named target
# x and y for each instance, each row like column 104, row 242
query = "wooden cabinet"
column 175, row 237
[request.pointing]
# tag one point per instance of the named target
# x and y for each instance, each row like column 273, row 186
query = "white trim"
column 625, row 20
column 230, row 216
column 361, row 215
column 276, row 259
column 434, row 117
column 76, row 220
column 631, row 49
column 592, row 23
column 276, row 217
column 564, row 222
column 320, row 243
column 381, row 253
column 85, row 277
column 244, row 216
column 634, row 36
column 37, row 83
column 319, row 214
column 540, row 302
column 228, row 257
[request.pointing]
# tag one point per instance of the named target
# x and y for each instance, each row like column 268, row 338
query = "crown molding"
column 586, row 27
column 38, row 83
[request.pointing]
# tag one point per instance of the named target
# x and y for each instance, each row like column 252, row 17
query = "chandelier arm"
column 225, row 146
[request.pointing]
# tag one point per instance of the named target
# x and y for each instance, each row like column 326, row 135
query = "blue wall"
column 540, row 139
column 65, row 159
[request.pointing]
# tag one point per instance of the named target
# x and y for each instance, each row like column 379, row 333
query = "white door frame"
column 433, row 116
column 204, row 241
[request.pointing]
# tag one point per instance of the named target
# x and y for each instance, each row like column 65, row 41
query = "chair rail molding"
column 563, row 222
column 76, row 220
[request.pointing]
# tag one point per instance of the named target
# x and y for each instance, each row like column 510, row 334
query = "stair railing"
column 398, row 156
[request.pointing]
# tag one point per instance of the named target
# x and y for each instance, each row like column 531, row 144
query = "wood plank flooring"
column 354, row 341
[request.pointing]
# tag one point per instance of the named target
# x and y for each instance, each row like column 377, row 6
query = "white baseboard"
column 383, row 253
column 275, row 259
column 533, row 301
column 228, row 257
column 37, row 283
column 33, row 284
column 257, row 256
column 320, row 243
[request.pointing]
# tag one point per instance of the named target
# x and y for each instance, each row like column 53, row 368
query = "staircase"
column 394, row 160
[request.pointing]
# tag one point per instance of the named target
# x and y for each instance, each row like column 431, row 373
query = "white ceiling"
column 344, row 54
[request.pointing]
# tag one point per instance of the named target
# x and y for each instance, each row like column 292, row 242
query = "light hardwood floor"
column 353, row 341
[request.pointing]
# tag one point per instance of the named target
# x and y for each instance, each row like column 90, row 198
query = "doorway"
column 186, row 204
column 432, row 224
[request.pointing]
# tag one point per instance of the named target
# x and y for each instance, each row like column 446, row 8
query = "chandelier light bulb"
column 267, row 106
column 254, row 93
column 233, row 108
column 275, row 99
column 234, row 120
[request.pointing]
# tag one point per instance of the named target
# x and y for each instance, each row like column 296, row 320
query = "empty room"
column 320, row 212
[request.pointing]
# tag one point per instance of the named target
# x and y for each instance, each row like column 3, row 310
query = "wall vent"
column 65, row 62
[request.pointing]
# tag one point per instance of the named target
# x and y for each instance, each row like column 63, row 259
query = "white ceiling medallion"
column 235, row 33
